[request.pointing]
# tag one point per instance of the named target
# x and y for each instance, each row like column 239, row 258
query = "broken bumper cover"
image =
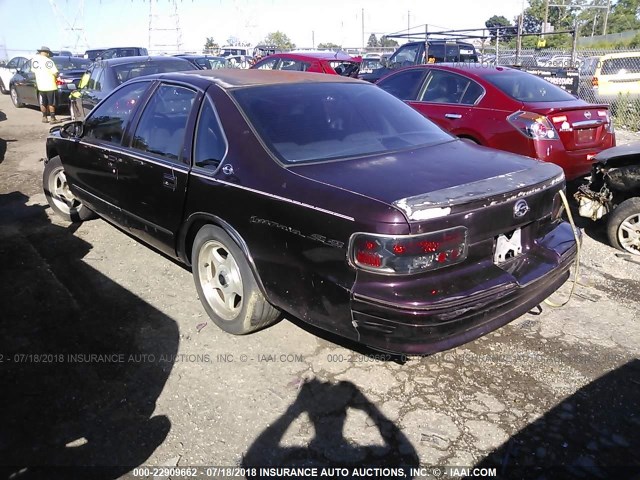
column 507, row 292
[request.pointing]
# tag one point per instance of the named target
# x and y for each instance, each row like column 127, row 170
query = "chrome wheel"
column 221, row 279
column 60, row 193
column 629, row 233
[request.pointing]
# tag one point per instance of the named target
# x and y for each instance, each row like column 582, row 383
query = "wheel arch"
column 190, row 229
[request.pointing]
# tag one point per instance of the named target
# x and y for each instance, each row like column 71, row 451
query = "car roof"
column 477, row 70
column 124, row 60
column 315, row 55
column 620, row 55
column 230, row 78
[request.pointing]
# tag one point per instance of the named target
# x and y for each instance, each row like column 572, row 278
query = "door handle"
column 453, row 116
column 169, row 181
column 111, row 162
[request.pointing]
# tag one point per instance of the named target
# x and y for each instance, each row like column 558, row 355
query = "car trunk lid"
column 579, row 126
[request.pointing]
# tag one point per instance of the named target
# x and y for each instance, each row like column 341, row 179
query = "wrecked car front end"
column 613, row 194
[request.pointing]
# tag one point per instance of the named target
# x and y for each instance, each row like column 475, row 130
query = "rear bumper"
column 575, row 163
column 515, row 289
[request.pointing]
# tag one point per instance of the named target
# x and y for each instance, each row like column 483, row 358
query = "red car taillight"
column 594, row 81
column 533, row 125
column 405, row 254
column 59, row 82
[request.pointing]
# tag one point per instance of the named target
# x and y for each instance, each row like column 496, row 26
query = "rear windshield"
column 71, row 63
column 528, row 88
column 138, row 69
column 617, row 66
column 319, row 121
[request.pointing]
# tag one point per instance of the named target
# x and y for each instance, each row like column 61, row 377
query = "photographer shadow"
column 327, row 407
column 82, row 356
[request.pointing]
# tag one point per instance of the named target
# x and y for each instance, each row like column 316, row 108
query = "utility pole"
column 408, row 23
column 362, row 29
column 606, row 18
column 546, row 17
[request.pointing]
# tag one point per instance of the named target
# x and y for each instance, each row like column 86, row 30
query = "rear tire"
column 226, row 285
column 15, row 98
column 3, row 89
column 59, row 196
column 623, row 226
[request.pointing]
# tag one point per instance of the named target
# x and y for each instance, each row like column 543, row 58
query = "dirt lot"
column 107, row 359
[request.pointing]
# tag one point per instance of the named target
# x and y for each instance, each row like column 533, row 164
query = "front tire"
column 59, row 196
column 226, row 285
column 15, row 98
column 623, row 226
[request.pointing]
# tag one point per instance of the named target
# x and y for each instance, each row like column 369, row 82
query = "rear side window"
column 210, row 144
column 404, row 85
column 138, row 69
column 447, row 87
column 95, row 79
column 528, row 88
column 162, row 125
column 108, row 121
column 297, row 65
column 620, row 66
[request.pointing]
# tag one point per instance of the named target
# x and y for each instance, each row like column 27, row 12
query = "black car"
column 93, row 53
column 23, row 88
column 206, row 62
column 120, row 52
column 321, row 196
column 105, row 75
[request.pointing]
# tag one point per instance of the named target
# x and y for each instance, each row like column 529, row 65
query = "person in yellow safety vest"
column 75, row 105
column 46, row 73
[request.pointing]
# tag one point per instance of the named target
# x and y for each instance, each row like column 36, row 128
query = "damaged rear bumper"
column 488, row 297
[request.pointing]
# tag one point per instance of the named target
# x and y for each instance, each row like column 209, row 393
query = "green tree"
column 210, row 46
column 499, row 24
column 373, row 41
column 329, row 46
column 280, row 40
column 387, row 42
column 624, row 16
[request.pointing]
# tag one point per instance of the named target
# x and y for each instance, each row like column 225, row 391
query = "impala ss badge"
column 520, row 209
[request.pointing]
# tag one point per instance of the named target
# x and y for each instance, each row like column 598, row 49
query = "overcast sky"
column 27, row 24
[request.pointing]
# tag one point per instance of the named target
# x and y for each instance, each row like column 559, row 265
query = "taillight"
column 594, row 82
column 59, row 82
column 533, row 125
column 608, row 126
column 405, row 254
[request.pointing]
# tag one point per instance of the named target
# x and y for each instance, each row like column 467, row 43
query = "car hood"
column 448, row 174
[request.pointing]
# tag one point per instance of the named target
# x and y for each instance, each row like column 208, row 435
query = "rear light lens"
column 594, row 82
column 406, row 254
column 608, row 126
column 533, row 125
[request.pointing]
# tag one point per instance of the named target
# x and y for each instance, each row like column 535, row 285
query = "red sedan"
column 507, row 109
column 333, row 63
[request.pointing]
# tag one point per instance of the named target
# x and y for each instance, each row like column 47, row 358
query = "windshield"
column 71, row 63
column 319, row 121
column 528, row 88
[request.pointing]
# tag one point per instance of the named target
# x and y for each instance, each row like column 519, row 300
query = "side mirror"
column 73, row 129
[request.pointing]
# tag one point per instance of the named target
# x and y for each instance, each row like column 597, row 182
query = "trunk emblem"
column 520, row 209
column 587, row 115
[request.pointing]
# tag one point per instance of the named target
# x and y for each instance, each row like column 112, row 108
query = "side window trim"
column 203, row 170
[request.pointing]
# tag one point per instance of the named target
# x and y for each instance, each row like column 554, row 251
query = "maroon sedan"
column 507, row 109
column 333, row 63
column 320, row 196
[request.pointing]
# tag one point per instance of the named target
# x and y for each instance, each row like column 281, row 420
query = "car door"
column 153, row 172
column 92, row 169
column 448, row 99
column 91, row 95
column 25, row 84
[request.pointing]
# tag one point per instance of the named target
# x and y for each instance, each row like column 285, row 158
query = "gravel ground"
column 107, row 360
